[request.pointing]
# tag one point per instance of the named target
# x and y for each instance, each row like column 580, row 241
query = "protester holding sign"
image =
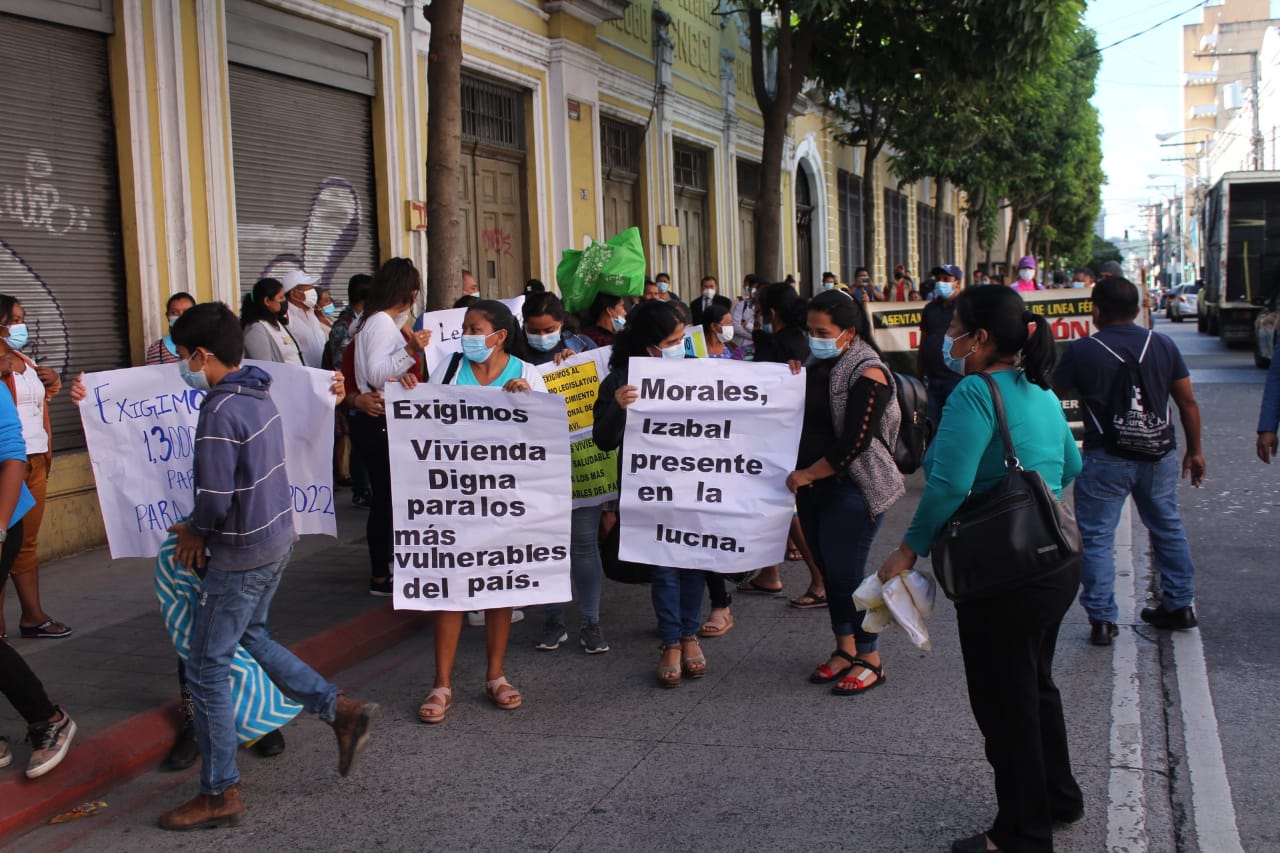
column 655, row 330
column 382, row 355
column 162, row 351
column 550, row 345
column 845, row 478
column 489, row 338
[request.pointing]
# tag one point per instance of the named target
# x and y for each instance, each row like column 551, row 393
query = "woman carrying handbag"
column 1007, row 638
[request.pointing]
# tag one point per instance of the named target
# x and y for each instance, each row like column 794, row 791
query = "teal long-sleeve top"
column 967, row 456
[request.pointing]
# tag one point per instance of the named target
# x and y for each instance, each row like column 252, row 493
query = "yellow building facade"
column 152, row 147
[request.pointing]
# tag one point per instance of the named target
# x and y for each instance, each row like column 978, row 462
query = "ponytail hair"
column 254, row 309
column 647, row 326
column 846, row 313
column 1014, row 329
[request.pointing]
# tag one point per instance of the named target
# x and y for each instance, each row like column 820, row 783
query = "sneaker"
column 1102, row 633
column 6, row 757
column 1176, row 620
column 49, row 742
column 592, row 639
column 475, row 618
column 381, row 588
column 553, row 634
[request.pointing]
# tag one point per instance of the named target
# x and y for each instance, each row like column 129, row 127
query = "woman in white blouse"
column 265, row 337
column 384, row 352
column 32, row 387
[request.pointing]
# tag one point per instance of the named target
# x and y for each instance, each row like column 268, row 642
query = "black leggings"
column 369, row 437
column 718, row 590
column 17, row 682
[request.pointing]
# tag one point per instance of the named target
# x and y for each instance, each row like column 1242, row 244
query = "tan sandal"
column 668, row 676
column 694, row 666
column 507, row 700
column 436, row 705
column 717, row 625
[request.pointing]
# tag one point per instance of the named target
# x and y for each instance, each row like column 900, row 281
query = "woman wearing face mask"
column 606, row 317
column 32, row 388
column 1007, row 640
column 163, row 351
column 845, row 478
column 1027, row 275
column 326, row 310
column 266, row 337
column 655, row 330
column 380, row 354
column 545, row 332
column 490, row 339
column 718, row 332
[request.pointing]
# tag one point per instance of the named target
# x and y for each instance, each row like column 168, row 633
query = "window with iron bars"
column 690, row 167
column 492, row 114
column 620, row 144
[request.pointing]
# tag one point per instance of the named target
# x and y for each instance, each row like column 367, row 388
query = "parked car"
column 1182, row 302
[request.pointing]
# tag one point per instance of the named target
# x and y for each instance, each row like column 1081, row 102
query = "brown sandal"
column 436, row 705
column 668, row 676
column 693, row 666
column 507, row 700
column 717, row 625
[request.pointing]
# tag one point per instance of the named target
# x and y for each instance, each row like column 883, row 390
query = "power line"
column 1144, row 32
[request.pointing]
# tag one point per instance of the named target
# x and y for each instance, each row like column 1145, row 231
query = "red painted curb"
column 136, row 745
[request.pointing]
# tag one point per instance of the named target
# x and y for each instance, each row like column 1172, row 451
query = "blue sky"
column 1139, row 94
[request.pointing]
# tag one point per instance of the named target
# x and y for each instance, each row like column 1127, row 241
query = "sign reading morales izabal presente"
column 140, row 427
column 706, row 453
column 577, row 379
column 480, row 497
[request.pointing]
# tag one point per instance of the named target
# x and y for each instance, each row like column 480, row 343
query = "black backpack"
column 1131, row 429
column 916, row 430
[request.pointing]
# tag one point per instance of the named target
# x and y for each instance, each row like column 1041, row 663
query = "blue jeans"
column 677, row 602
column 839, row 529
column 233, row 609
column 1101, row 491
column 585, row 570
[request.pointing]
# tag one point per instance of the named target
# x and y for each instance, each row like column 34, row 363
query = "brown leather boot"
column 351, row 725
column 206, row 812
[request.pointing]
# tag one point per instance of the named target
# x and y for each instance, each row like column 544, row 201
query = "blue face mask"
column 474, row 349
column 1077, row 284
column 767, row 328
column 330, row 310
column 618, row 323
column 18, row 336
column 824, row 348
column 673, row 351
column 828, row 285
column 955, row 365
column 544, row 343
column 663, row 287
column 195, row 378
column 944, row 289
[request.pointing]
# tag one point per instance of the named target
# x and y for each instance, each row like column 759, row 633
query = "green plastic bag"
column 615, row 266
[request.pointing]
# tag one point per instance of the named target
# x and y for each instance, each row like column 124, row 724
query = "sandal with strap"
column 49, row 629
column 507, row 700
column 825, row 674
column 855, row 684
column 668, row 676
column 694, row 666
column 436, row 705
column 717, row 625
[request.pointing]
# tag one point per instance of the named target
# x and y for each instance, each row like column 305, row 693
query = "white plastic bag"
column 905, row 601
column 923, row 590
column 899, row 602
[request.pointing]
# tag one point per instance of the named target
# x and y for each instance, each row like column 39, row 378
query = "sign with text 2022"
column 480, row 488
column 706, row 453
column 140, row 427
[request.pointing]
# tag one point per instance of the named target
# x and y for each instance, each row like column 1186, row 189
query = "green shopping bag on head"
column 615, row 266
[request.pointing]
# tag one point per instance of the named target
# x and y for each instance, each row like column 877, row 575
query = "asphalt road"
column 754, row 758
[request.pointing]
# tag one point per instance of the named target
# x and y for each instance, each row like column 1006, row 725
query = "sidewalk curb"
column 137, row 744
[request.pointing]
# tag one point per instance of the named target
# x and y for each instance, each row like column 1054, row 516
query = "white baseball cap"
column 293, row 278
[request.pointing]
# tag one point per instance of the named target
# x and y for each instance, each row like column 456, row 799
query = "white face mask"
column 708, row 293
column 1026, row 275
column 310, row 298
column 725, row 334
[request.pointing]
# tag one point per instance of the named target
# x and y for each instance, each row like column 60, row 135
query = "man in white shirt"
column 304, row 325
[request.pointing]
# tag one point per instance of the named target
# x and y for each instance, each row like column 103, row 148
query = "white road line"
column 1215, row 814
column 1127, row 811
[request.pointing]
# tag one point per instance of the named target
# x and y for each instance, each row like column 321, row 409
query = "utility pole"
column 1258, row 144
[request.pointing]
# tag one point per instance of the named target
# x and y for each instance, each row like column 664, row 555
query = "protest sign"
column 140, row 427
column 577, row 379
column 706, row 453
column 446, row 331
column 695, row 341
column 480, row 488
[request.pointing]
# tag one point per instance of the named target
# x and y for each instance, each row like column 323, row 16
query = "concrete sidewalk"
column 117, row 674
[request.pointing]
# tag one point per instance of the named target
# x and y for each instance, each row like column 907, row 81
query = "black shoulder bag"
column 1013, row 535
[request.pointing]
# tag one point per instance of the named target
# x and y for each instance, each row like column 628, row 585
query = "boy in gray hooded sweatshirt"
column 243, row 516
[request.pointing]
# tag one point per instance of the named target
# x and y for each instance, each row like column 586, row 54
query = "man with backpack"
column 1127, row 376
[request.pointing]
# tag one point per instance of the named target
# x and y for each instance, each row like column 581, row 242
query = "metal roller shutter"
column 304, row 179
column 60, row 238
